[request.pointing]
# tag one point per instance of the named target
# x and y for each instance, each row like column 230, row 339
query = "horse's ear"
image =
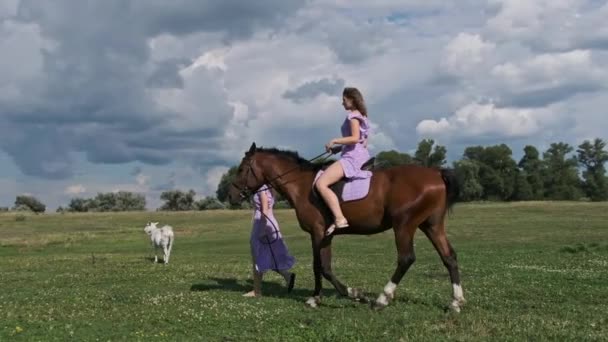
column 252, row 149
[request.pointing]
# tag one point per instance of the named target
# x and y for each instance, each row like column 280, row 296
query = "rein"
column 245, row 192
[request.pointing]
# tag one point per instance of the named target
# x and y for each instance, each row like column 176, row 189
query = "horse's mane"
column 295, row 157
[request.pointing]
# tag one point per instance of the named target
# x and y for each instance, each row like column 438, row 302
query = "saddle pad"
column 348, row 189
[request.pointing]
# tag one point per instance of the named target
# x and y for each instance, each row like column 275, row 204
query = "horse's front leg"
column 328, row 273
column 322, row 268
column 315, row 300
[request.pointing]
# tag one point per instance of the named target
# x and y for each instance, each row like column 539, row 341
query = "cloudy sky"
column 148, row 95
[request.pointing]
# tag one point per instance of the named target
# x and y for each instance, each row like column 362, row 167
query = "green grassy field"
column 533, row 271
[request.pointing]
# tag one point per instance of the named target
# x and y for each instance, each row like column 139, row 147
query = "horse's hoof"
column 377, row 306
column 313, row 302
column 356, row 294
column 456, row 305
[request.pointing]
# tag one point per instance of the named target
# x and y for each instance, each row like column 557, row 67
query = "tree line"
column 485, row 173
column 490, row 173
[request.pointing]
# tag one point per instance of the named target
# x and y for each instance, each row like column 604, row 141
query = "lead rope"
column 322, row 157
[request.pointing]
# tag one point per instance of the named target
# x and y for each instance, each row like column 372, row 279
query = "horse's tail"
column 452, row 187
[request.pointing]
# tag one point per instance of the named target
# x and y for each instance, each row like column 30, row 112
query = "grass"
column 531, row 271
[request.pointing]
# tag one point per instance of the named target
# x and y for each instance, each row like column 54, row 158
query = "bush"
column 112, row 201
column 30, row 203
column 282, row 205
column 22, row 208
column 209, row 203
column 177, row 200
column 20, row 218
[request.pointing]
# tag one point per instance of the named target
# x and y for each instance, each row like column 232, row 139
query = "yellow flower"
column 18, row 329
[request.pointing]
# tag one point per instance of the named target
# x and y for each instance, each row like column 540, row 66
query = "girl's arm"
column 264, row 203
column 353, row 139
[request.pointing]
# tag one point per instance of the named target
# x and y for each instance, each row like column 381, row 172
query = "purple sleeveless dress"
column 354, row 156
column 267, row 245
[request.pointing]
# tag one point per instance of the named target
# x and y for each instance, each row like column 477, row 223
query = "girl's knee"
column 321, row 184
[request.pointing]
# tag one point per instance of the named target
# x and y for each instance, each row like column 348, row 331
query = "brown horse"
column 404, row 198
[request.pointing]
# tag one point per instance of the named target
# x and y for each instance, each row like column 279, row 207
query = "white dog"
column 161, row 238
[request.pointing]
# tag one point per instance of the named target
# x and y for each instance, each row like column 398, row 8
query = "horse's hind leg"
column 404, row 238
column 436, row 233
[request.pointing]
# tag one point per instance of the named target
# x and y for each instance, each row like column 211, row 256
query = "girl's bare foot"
column 251, row 294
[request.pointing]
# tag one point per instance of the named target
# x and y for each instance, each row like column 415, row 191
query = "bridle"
column 246, row 192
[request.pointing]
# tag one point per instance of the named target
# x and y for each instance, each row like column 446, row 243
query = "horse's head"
column 248, row 177
column 150, row 226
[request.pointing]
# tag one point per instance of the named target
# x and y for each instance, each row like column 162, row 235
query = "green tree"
column 109, row 201
column 223, row 187
column 387, row 159
column 467, row 172
column 427, row 156
column 81, row 205
column 561, row 173
column 31, row 203
column 532, row 166
column 523, row 190
column 497, row 170
column 129, row 201
column 209, row 203
column 177, row 200
column 593, row 156
column 104, row 202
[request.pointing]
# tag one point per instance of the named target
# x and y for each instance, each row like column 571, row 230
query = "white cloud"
column 546, row 70
column 481, row 120
column 212, row 179
column 456, row 69
column 464, row 53
column 8, row 8
column 518, row 19
column 76, row 189
column 142, row 179
column 213, row 59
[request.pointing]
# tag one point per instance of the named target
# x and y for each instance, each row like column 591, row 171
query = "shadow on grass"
column 269, row 289
column 160, row 260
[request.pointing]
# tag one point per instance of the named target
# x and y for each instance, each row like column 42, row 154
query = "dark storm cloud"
column 91, row 93
column 166, row 74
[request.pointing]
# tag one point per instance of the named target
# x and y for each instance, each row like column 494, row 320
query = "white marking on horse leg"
column 457, row 289
column 388, row 294
column 155, row 258
column 313, row 302
column 382, row 300
column 458, row 297
column 389, row 290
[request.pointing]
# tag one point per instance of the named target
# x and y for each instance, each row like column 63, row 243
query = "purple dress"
column 267, row 246
column 354, row 156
